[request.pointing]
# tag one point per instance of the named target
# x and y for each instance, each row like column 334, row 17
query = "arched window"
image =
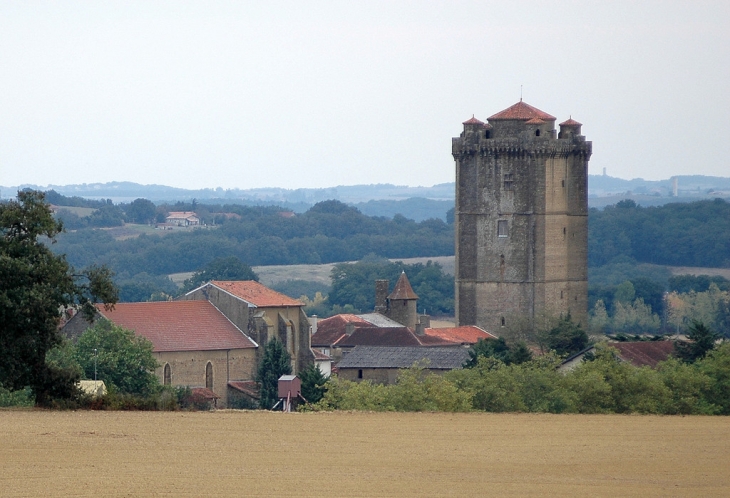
column 537, row 133
column 167, row 376
column 209, row 376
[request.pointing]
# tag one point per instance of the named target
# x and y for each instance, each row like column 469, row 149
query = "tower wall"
column 521, row 222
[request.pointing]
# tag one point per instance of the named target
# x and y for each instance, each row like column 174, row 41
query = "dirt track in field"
column 230, row 453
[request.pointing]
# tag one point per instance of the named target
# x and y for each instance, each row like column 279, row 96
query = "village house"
column 182, row 219
column 388, row 326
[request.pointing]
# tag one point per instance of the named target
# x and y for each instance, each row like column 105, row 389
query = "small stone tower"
column 400, row 305
column 521, row 218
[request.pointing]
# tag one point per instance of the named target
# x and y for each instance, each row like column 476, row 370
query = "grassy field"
column 230, row 453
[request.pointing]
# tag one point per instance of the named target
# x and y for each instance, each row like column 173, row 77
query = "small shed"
column 290, row 386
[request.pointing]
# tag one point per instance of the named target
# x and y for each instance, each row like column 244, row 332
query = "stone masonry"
column 521, row 218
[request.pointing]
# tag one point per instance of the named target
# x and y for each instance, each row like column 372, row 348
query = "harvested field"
column 234, row 453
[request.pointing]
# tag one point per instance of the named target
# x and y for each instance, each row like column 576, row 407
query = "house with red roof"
column 263, row 313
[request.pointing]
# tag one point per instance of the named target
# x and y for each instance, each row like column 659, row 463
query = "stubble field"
column 230, row 453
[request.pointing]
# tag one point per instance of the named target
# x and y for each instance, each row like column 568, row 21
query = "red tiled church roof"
column 179, row 325
column 523, row 112
column 403, row 289
column 535, row 121
column 255, row 293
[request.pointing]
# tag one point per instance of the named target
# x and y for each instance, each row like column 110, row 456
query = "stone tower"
column 521, row 218
column 400, row 305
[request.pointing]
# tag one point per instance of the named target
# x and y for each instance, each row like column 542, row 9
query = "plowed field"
column 229, row 453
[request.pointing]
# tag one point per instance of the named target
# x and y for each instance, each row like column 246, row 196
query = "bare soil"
column 232, row 453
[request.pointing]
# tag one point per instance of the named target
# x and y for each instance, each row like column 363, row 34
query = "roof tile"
column 644, row 353
column 571, row 122
column 403, row 289
column 255, row 293
column 404, row 357
column 522, row 112
column 179, row 325
column 466, row 334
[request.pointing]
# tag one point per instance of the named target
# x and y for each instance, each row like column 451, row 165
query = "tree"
column 566, row 338
column 499, row 350
column 35, row 286
column 141, row 211
column 275, row 362
column 123, row 360
column 313, row 383
column 701, row 341
column 228, row 268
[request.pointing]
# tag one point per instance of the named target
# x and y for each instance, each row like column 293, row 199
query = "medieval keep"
column 521, row 218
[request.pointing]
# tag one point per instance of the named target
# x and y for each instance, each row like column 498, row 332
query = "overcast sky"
column 318, row 94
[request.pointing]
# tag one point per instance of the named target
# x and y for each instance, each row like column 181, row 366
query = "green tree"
column 228, row 268
column 701, row 341
column 35, row 286
column 566, row 338
column 275, row 362
column 499, row 350
column 313, row 383
column 123, row 360
column 141, row 211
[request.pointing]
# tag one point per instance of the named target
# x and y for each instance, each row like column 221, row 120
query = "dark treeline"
column 691, row 234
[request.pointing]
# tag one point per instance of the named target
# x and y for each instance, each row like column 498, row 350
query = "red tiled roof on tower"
column 403, row 289
column 535, row 121
column 179, row 325
column 473, row 121
column 571, row 122
column 522, row 112
column 255, row 293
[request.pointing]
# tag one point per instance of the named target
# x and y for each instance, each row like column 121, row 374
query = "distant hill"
column 417, row 203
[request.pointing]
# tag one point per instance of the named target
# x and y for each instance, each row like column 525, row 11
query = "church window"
column 209, row 375
column 537, row 133
column 487, row 134
column 167, row 376
column 503, row 322
column 502, row 228
column 509, row 181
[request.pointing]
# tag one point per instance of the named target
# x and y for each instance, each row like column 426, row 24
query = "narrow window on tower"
column 502, row 228
column 509, row 181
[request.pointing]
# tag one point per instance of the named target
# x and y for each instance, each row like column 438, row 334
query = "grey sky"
column 317, row 94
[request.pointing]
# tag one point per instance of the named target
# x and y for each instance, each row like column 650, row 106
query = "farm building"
column 382, row 364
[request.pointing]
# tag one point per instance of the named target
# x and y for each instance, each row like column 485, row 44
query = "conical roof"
column 522, row 112
column 571, row 122
column 403, row 289
column 473, row 121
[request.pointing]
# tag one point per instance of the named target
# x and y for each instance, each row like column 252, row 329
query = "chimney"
column 424, row 322
column 313, row 321
column 349, row 328
column 381, row 296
